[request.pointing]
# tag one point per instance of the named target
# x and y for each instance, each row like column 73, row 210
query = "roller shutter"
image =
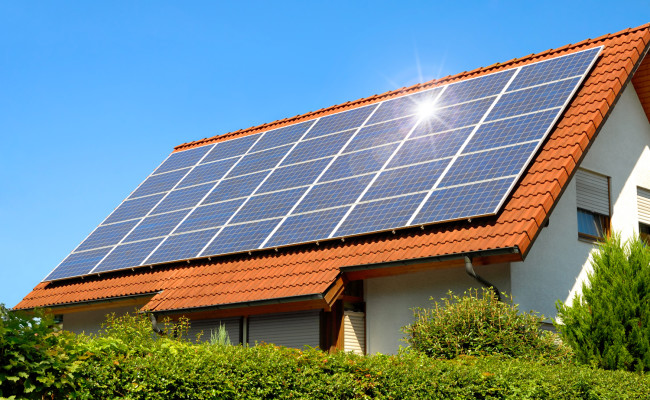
column 592, row 192
column 208, row 325
column 354, row 335
column 643, row 201
column 286, row 329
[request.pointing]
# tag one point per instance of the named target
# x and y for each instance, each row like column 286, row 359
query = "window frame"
column 605, row 220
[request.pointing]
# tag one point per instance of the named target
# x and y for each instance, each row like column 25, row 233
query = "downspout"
column 154, row 324
column 469, row 268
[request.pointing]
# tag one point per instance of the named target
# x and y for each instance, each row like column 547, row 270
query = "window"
column 592, row 192
column 643, row 202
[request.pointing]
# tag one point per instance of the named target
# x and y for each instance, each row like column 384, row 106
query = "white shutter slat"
column 643, row 201
column 354, row 332
column 287, row 329
column 592, row 192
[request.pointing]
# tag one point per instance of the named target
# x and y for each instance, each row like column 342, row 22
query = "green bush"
column 609, row 324
column 36, row 359
column 477, row 323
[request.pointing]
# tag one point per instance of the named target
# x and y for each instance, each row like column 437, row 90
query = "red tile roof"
column 304, row 270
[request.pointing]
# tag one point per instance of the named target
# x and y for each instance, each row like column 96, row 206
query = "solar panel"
column 379, row 167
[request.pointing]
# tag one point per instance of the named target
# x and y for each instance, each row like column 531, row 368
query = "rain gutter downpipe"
column 154, row 324
column 469, row 268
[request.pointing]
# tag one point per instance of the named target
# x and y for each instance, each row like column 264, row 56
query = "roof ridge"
column 403, row 90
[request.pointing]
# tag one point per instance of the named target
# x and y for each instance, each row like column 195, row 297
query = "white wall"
column 389, row 300
column 558, row 262
column 91, row 321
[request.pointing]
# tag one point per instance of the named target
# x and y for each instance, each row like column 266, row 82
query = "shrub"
column 477, row 323
column 36, row 359
column 609, row 324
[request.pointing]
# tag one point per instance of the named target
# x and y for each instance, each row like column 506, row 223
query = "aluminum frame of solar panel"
column 481, row 91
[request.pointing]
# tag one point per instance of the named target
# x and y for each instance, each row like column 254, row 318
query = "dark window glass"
column 644, row 232
column 592, row 225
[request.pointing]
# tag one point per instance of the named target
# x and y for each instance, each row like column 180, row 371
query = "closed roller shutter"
column 354, row 335
column 286, row 329
column 209, row 325
column 643, row 200
column 592, row 192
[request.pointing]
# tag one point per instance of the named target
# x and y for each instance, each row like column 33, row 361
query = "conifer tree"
column 609, row 324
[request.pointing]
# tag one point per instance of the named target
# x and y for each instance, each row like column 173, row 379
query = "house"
column 589, row 175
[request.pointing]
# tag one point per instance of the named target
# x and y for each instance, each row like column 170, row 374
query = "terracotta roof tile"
column 311, row 269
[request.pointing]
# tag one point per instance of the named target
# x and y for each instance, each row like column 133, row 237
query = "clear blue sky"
column 94, row 95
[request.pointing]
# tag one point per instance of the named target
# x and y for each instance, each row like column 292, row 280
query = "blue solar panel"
column 510, row 131
column 242, row 237
column 554, row 69
column 411, row 179
column 236, row 195
column 127, row 255
column 294, row 175
column 159, row 183
column 431, row 147
column 181, row 247
column 205, row 173
column 359, row 162
column 78, row 264
column 231, row 148
column 341, row 121
column 402, row 106
column 382, row 133
column 182, row 198
column 333, row 194
column 380, row 215
column 488, row 165
column 136, row 208
column 282, row 136
column 259, row 161
column 107, row 235
column 241, row 186
column 533, row 99
column 269, row 205
column 182, row 159
column 156, row 226
column 472, row 89
column 316, row 225
column 462, row 202
column 318, row 148
column 210, row 216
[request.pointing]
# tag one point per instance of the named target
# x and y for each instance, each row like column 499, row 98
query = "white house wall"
column 558, row 262
column 389, row 300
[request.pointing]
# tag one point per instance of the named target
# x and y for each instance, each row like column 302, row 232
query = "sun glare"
column 426, row 109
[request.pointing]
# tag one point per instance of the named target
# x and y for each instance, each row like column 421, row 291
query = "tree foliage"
column 608, row 325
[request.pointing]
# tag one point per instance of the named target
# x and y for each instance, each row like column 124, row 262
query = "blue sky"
column 94, row 95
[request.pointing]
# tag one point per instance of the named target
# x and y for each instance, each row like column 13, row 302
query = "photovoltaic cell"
column 488, row 165
column 156, row 226
column 410, row 179
column 136, row 208
column 230, row 148
column 462, row 202
column 430, row 147
column 181, row 247
column 182, row 198
column 341, row 121
column 510, row 131
column 380, row 215
column 333, row 194
column 533, row 99
column 294, row 175
column 107, row 235
column 457, row 163
column 242, row 237
column 210, row 216
column 205, row 173
column 182, row 159
column 359, row 162
column 315, row 225
column 127, row 255
column 78, row 264
column 159, row 183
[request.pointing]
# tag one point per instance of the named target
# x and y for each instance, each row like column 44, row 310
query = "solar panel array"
column 374, row 168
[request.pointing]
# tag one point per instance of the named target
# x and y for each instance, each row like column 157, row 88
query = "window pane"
column 590, row 223
column 644, row 232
